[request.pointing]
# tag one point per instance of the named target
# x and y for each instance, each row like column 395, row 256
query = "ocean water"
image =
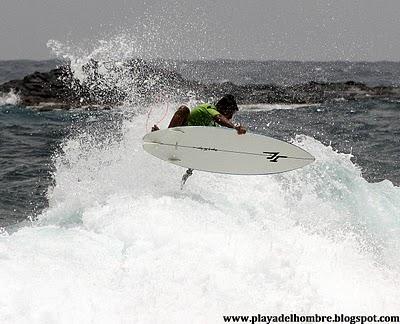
column 96, row 230
column 239, row 72
column 292, row 72
column 28, row 141
column 17, row 69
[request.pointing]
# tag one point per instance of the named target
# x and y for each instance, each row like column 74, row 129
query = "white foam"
column 269, row 107
column 10, row 98
column 121, row 242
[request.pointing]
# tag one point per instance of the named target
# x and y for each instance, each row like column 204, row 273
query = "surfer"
column 207, row 115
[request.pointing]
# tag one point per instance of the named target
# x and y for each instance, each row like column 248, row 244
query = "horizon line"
column 220, row 60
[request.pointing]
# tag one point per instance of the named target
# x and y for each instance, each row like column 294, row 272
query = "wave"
column 121, row 242
column 10, row 98
column 269, row 107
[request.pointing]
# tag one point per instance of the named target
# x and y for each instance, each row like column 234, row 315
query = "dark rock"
column 150, row 82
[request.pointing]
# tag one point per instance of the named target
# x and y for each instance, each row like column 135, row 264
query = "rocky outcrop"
column 143, row 82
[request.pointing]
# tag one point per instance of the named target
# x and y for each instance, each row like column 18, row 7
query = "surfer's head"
column 227, row 106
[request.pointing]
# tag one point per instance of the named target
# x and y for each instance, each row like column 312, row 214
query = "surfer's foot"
column 187, row 174
column 155, row 128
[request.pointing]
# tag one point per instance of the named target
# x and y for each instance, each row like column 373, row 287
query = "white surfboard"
column 222, row 150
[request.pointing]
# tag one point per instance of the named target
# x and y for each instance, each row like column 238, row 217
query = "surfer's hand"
column 155, row 128
column 240, row 130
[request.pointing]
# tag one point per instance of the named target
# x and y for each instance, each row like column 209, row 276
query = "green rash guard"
column 203, row 115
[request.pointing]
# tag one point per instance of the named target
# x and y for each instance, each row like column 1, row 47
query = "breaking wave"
column 10, row 98
column 120, row 242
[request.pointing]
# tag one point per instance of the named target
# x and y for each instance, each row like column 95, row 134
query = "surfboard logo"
column 274, row 156
column 206, row 148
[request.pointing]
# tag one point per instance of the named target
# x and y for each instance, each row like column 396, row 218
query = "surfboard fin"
column 186, row 176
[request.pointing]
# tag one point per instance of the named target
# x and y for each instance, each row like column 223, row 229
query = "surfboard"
column 222, row 150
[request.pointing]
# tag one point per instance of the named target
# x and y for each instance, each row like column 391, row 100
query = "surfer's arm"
column 223, row 121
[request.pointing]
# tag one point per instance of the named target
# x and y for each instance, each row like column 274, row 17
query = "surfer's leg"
column 180, row 117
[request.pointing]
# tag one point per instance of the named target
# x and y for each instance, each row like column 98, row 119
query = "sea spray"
column 112, row 72
column 10, row 98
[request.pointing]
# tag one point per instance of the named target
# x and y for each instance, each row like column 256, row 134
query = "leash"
column 147, row 130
